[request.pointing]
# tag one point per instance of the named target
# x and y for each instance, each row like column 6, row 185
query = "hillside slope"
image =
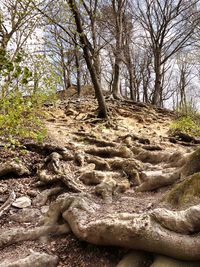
column 109, row 182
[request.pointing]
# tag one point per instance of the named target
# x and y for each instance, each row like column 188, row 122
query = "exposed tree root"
column 100, row 164
column 108, row 152
column 21, row 234
column 184, row 221
column 46, row 149
column 186, row 137
column 98, row 142
column 158, row 157
column 192, row 164
column 156, row 179
column 105, row 189
column 79, row 157
column 130, row 167
column 63, row 173
column 96, row 177
column 134, row 258
column 42, row 198
column 45, row 178
column 134, row 137
column 14, row 168
column 151, row 147
column 35, row 259
column 128, row 230
column 163, row 261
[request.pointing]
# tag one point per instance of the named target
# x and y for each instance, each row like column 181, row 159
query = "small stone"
column 22, row 202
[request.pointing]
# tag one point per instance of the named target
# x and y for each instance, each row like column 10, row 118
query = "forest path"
column 125, row 164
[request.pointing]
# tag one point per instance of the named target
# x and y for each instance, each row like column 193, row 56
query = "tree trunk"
column 87, row 56
column 117, row 79
column 63, row 69
column 118, row 50
column 131, row 84
column 157, row 89
column 78, row 69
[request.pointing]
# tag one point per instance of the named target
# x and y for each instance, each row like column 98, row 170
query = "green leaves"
column 187, row 125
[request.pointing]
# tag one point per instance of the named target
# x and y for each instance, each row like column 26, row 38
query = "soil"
column 64, row 121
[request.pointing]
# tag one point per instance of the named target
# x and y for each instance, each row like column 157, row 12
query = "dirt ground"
column 65, row 122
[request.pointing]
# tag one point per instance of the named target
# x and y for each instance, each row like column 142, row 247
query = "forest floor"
column 74, row 125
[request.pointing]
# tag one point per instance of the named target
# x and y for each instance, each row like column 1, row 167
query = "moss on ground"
column 185, row 194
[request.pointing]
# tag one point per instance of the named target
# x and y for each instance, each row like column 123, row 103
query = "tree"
column 168, row 26
column 118, row 7
column 88, row 58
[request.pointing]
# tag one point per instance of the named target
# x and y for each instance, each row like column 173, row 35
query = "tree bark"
column 136, row 231
column 157, row 89
column 118, row 51
column 87, row 56
column 78, row 70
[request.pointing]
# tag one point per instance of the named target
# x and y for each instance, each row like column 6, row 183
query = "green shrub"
column 20, row 112
column 17, row 119
column 187, row 124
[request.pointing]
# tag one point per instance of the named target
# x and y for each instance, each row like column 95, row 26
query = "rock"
column 22, row 202
column 163, row 261
column 133, row 259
